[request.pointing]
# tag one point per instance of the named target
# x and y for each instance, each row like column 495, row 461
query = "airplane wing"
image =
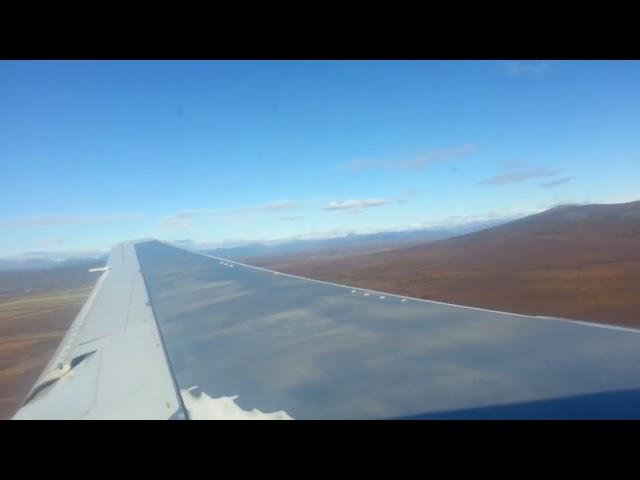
column 169, row 333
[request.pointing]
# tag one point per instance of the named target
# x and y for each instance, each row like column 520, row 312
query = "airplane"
column 172, row 333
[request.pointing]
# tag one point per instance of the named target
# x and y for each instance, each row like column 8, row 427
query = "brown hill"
column 580, row 262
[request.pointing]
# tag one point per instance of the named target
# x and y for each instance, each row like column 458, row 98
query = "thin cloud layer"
column 530, row 69
column 67, row 220
column 185, row 218
column 283, row 205
column 58, row 256
column 518, row 176
column 357, row 204
column 555, row 183
column 177, row 220
column 418, row 162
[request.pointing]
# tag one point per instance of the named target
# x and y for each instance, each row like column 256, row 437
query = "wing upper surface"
column 277, row 342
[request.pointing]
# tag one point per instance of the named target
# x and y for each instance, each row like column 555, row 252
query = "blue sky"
column 93, row 153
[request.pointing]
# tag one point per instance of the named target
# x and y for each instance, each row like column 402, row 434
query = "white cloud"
column 419, row 161
column 177, row 220
column 50, row 242
column 518, row 176
column 283, row 205
column 67, row 220
column 357, row 204
column 555, row 183
column 185, row 218
column 185, row 215
column 461, row 220
column 530, row 69
column 514, row 164
column 58, row 256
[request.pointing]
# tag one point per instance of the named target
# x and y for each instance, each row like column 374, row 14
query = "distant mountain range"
column 349, row 244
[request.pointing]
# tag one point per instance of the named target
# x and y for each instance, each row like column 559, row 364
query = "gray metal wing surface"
column 171, row 333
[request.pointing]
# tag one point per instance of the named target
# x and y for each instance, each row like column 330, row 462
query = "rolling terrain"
column 579, row 262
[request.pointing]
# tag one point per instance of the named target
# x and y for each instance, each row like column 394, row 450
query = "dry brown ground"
column 31, row 328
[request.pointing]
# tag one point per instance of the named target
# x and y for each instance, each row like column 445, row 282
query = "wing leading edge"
column 195, row 336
